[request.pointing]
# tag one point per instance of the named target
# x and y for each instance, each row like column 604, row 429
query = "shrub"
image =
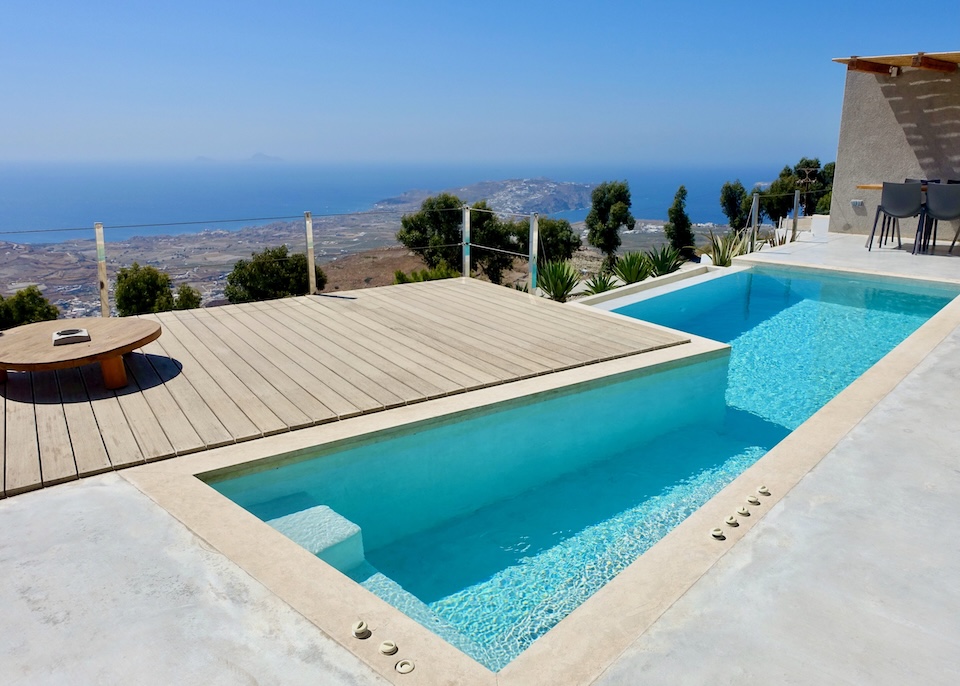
column 632, row 267
column 271, row 274
column 25, row 307
column 558, row 279
column 722, row 249
column 600, row 283
column 441, row 271
column 664, row 260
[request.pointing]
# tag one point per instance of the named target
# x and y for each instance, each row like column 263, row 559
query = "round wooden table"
column 30, row 348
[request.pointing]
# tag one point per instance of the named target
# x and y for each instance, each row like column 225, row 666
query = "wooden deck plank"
column 466, row 375
column 441, row 342
column 22, row 464
column 171, row 419
column 331, row 326
column 430, row 369
column 492, row 329
column 614, row 335
column 53, row 437
column 151, row 438
column 445, row 339
column 263, row 379
column 524, row 364
column 237, row 424
column 226, row 378
column 342, row 396
column 343, row 366
column 89, row 452
column 210, row 430
column 630, row 333
column 564, row 338
column 118, row 437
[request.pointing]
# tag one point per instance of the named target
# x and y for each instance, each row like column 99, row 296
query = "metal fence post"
column 102, row 270
column 311, row 264
column 466, row 240
column 534, row 245
column 754, row 220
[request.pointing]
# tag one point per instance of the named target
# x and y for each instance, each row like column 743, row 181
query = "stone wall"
column 894, row 128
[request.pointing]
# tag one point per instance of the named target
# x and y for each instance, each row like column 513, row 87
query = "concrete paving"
column 101, row 586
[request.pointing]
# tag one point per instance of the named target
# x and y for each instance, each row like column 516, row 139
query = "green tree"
column 25, row 307
column 558, row 240
column 610, row 211
column 777, row 200
column 735, row 203
column 435, row 232
column 486, row 229
column 271, row 274
column 141, row 290
column 823, row 204
column 187, row 298
column 679, row 228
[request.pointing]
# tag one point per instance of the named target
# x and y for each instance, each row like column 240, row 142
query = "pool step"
column 331, row 537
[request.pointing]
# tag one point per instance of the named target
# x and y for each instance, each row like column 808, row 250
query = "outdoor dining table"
column 30, row 348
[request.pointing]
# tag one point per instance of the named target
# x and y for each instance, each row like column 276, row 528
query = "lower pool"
column 489, row 527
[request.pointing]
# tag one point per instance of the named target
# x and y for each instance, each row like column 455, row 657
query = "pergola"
column 892, row 65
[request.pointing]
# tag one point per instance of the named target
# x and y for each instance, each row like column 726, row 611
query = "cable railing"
column 79, row 271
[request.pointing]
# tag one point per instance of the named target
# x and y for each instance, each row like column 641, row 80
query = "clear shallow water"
column 490, row 529
column 797, row 339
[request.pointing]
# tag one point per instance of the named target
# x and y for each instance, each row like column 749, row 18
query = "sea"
column 52, row 202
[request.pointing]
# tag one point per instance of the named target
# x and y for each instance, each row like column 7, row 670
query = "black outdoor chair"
column 943, row 203
column 897, row 201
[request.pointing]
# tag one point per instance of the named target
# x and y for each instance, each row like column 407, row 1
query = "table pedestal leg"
column 3, row 375
column 114, row 374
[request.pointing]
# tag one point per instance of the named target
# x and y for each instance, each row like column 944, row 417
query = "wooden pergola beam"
column 921, row 61
column 857, row 64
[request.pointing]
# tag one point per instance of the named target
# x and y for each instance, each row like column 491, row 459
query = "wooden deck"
column 222, row 375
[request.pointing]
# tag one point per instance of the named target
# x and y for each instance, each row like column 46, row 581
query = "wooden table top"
column 879, row 186
column 30, row 348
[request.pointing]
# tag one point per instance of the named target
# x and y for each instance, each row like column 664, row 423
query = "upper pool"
column 491, row 526
column 798, row 337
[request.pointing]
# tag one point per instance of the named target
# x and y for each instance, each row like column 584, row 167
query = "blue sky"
column 683, row 83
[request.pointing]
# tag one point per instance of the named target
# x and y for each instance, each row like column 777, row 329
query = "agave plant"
column 558, row 279
column 632, row 267
column 722, row 249
column 664, row 260
column 600, row 283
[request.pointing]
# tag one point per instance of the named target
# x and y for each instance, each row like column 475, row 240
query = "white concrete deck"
column 850, row 578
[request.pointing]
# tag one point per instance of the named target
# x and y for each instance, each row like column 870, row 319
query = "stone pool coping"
column 581, row 646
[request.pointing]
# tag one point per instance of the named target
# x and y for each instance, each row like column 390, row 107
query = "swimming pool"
column 491, row 528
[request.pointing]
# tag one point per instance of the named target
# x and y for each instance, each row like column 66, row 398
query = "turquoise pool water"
column 490, row 527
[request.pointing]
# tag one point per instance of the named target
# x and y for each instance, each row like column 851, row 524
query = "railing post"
column 534, row 245
column 311, row 264
column 466, row 240
column 754, row 220
column 796, row 212
column 102, row 270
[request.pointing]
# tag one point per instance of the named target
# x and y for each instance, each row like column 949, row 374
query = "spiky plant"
column 664, row 260
column 722, row 249
column 558, row 279
column 632, row 267
column 600, row 283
